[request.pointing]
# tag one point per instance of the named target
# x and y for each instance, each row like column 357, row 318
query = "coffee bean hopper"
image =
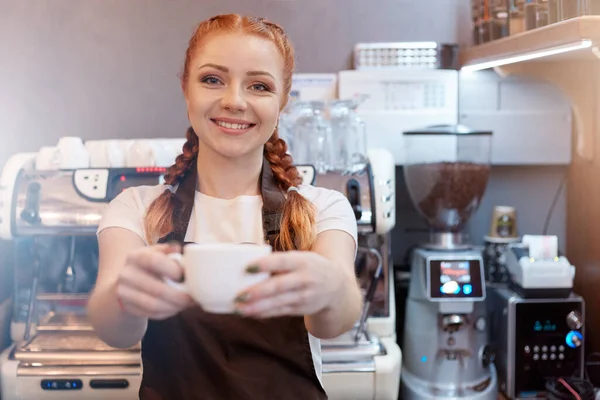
column 446, row 352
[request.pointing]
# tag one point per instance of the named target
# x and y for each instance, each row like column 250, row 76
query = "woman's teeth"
column 233, row 126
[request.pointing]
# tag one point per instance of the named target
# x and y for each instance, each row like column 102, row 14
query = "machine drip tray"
column 64, row 322
column 54, row 370
column 346, row 349
column 74, row 347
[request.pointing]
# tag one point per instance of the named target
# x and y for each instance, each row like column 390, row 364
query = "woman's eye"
column 211, row 80
column 260, row 87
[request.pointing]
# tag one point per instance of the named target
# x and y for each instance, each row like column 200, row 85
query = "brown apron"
column 197, row 355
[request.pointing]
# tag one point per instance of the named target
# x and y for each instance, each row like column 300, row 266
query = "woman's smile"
column 231, row 126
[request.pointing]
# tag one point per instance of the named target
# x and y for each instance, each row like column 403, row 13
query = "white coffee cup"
column 215, row 273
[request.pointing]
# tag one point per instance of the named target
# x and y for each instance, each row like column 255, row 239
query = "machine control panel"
column 547, row 344
column 455, row 279
column 103, row 185
column 62, row 384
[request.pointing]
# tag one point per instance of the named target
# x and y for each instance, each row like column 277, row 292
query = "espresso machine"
column 445, row 347
column 365, row 362
column 50, row 210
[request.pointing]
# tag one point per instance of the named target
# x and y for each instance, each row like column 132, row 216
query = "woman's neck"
column 227, row 178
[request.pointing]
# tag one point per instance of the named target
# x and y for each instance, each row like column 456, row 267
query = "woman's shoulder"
column 333, row 209
column 321, row 197
column 127, row 209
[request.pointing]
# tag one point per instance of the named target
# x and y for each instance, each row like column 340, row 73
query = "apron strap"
column 184, row 196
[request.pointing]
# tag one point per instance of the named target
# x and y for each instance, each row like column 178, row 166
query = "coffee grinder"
column 446, row 353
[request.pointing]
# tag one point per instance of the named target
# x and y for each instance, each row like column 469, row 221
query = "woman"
column 235, row 183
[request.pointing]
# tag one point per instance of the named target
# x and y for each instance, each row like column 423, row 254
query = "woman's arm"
column 112, row 324
column 344, row 310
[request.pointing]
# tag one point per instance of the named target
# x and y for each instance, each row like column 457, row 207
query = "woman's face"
column 233, row 93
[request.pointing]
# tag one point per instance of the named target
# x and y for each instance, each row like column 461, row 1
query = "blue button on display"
column 467, row 289
column 574, row 339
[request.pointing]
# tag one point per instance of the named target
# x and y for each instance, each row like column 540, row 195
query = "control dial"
column 574, row 320
column 574, row 339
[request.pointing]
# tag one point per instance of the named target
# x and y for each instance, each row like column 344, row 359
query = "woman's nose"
column 233, row 99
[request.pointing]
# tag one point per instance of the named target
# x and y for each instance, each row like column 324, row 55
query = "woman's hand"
column 140, row 286
column 302, row 283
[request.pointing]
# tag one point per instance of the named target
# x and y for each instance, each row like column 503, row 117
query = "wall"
column 108, row 68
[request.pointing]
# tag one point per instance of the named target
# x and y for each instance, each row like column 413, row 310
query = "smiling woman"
column 233, row 183
column 222, row 92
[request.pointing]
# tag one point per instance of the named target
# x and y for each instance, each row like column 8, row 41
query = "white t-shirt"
column 234, row 221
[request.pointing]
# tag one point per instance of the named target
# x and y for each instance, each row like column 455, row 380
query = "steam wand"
column 370, row 293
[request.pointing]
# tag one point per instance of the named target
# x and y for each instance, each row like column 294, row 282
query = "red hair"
column 298, row 214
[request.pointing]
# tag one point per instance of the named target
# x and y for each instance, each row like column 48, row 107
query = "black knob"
column 574, row 320
column 353, row 194
column 31, row 211
column 488, row 356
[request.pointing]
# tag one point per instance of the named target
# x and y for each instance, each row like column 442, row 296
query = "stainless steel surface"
column 339, row 181
column 350, row 354
column 72, row 346
column 74, row 341
column 33, row 296
column 349, row 367
column 64, row 322
column 347, row 348
column 442, row 353
column 30, row 369
column 61, row 210
column 453, row 321
column 447, row 241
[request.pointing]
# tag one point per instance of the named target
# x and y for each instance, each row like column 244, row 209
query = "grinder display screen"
column 455, row 279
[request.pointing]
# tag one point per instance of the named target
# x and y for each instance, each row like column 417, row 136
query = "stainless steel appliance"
column 535, row 339
column 51, row 217
column 446, row 352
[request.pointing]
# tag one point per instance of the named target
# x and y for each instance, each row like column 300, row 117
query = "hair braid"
column 158, row 220
column 298, row 214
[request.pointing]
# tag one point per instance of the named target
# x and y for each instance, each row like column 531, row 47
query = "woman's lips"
column 233, row 127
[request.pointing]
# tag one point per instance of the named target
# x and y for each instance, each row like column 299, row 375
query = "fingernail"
column 253, row 269
column 242, row 298
column 174, row 244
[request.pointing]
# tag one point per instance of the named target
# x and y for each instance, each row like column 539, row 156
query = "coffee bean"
column 446, row 194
